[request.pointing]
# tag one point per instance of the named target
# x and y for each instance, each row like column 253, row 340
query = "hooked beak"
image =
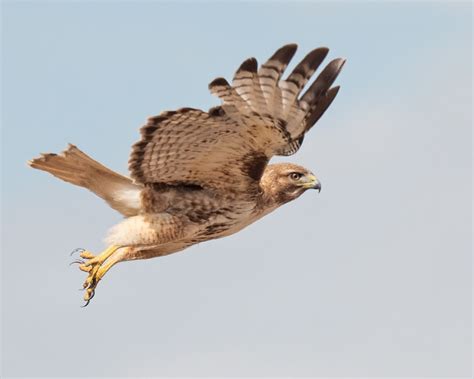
column 317, row 186
column 312, row 183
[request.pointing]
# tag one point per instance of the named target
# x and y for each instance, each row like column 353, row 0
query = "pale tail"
column 76, row 167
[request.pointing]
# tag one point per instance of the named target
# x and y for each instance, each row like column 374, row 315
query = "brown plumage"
column 197, row 176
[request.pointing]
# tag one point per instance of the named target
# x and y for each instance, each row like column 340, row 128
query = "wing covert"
column 192, row 147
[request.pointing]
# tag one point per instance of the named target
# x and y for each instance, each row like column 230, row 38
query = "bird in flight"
column 197, row 176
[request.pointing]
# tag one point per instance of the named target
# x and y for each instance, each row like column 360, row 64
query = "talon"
column 96, row 266
column 78, row 250
column 86, row 304
column 89, row 295
column 77, row 261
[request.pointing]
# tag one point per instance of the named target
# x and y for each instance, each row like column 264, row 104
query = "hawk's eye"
column 295, row 176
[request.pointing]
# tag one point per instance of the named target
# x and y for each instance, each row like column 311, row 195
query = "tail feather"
column 76, row 167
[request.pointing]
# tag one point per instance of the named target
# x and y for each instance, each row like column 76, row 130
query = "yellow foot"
column 95, row 267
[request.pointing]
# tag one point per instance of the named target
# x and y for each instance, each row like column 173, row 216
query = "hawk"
column 197, row 176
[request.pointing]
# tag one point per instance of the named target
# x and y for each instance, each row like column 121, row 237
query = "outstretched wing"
column 230, row 146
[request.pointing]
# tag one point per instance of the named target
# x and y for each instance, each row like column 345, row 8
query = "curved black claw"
column 78, row 250
column 77, row 261
column 88, row 300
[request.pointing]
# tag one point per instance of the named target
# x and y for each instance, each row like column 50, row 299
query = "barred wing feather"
column 229, row 147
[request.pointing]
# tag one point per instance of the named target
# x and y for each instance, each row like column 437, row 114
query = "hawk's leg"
column 96, row 266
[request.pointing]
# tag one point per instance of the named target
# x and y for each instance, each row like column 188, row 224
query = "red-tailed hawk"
column 197, row 176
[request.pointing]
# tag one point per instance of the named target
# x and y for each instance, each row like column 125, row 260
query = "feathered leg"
column 138, row 237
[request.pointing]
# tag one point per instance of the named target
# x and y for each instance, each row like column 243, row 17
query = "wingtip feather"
column 219, row 82
column 285, row 53
column 249, row 65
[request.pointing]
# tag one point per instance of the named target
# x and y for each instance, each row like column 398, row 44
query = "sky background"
column 371, row 277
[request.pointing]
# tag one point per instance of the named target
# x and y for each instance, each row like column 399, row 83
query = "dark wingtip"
column 337, row 64
column 333, row 91
column 289, row 46
column 218, row 82
column 310, row 62
column 249, row 65
column 327, row 77
column 322, row 107
column 316, row 55
column 318, row 51
column 285, row 53
column 333, row 69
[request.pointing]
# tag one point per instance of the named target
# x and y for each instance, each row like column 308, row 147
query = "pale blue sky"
column 372, row 277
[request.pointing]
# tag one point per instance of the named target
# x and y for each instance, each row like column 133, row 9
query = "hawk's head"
column 284, row 182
